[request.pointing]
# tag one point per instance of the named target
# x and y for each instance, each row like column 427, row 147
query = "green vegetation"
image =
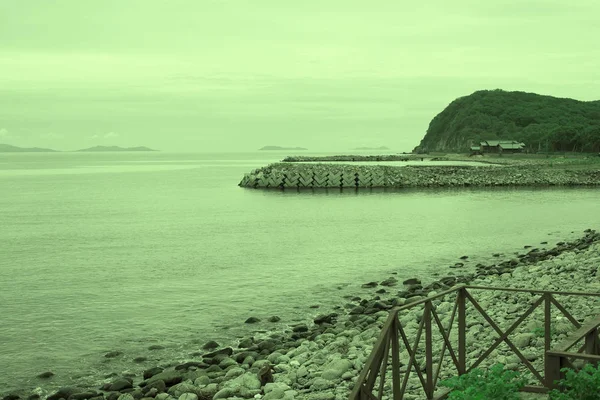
column 540, row 332
column 543, row 123
column 584, row 385
column 494, row 383
column 500, row 384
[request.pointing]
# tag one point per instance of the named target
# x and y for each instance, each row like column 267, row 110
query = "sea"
column 104, row 252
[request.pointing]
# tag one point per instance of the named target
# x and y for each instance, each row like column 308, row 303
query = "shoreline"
column 320, row 360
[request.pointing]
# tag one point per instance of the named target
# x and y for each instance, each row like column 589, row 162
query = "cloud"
column 52, row 135
column 6, row 135
column 108, row 135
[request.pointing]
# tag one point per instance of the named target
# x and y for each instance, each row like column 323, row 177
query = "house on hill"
column 476, row 150
column 501, row 146
column 511, row 147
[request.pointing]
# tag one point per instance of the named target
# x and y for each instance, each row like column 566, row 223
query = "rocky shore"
column 354, row 175
column 323, row 359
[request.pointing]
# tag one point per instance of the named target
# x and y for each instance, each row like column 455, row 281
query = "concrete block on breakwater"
column 355, row 175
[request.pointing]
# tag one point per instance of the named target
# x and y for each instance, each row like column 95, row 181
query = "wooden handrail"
column 581, row 356
column 559, row 358
column 577, row 335
column 392, row 334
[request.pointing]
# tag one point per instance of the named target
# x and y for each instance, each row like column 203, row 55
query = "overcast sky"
column 205, row 75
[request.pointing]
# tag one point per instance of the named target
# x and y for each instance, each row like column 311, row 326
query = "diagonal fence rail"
column 374, row 375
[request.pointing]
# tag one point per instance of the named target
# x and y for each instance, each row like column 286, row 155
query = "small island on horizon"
column 281, row 148
column 7, row 148
column 115, row 148
column 372, row 148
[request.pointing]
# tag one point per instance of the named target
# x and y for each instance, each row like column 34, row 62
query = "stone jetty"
column 287, row 175
column 321, row 360
column 355, row 158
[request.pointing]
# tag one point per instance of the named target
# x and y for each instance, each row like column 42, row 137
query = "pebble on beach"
column 210, row 345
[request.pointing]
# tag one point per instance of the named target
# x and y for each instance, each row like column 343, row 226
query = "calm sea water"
column 118, row 251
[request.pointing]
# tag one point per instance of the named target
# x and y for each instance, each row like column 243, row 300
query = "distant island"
column 281, row 148
column 542, row 123
column 7, row 148
column 371, row 148
column 115, row 148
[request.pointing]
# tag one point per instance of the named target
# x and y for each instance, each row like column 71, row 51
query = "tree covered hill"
column 543, row 123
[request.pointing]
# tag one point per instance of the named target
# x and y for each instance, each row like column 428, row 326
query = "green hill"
column 543, row 123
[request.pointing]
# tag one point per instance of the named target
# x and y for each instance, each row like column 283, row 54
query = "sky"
column 236, row 75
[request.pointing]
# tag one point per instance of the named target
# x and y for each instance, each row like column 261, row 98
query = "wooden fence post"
column 397, row 395
column 591, row 344
column 428, row 351
column 549, row 362
column 552, row 373
column 462, row 346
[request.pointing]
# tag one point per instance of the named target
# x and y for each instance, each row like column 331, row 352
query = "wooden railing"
column 559, row 357
column 393, row 336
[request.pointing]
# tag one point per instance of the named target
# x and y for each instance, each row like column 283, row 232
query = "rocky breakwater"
column 357, row 158
column 322, row 359
column 354, row 175
column 452, row 176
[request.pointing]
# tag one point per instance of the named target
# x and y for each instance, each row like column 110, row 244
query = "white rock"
column 224, row 393
column 322, row 396
column 320, row 384
column 274, row 357
column 260, row 363
column 248, row 381
column 274, row 394
column 272, row 386
column 335, row 369
column 209, row 390
column 202, row 381
column 348, row 375
column 188, row 396
column 234, row 372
